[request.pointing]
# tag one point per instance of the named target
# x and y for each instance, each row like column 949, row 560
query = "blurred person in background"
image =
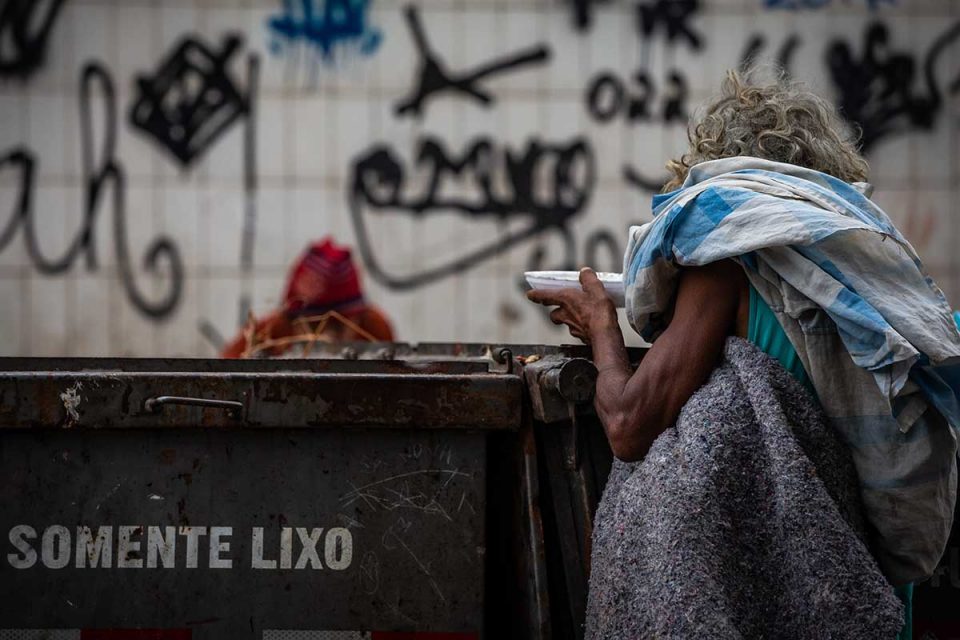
column 323, row 302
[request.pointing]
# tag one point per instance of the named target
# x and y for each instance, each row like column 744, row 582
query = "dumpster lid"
column 420, row 392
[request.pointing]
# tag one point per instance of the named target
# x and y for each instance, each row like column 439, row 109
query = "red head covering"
column 324, row 278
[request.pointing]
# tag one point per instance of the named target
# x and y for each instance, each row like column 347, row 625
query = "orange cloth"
column 279, row 325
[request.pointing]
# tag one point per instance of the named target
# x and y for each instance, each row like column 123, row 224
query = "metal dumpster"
column 441, row 492
column 382, row 491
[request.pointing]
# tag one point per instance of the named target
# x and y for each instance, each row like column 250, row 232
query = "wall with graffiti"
column 162, row 163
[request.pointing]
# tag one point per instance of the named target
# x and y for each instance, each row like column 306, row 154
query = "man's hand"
column 586, row 312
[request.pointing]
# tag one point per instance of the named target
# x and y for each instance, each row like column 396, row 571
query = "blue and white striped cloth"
column 872, row 329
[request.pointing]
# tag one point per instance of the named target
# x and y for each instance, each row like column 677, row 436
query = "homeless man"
column 786, row 448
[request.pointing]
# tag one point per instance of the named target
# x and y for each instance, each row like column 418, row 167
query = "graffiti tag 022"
column 609, row 97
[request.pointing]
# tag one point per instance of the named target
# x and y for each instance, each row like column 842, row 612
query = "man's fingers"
column 590, row 281
column 559, row 316
column 546, row 297
column 562, row 316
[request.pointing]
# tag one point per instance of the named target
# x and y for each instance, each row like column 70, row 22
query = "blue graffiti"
column 819, row 4
column 325, row 25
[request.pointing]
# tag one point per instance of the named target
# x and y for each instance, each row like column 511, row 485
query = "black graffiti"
column 104, row 185
column 250, row 184
column 757, row 43
column 434, row 78
column 505, row 185
column 379, row 179
column 582, row 12
column 608, row 97
column 191, row 99
column 597, row 242
column 670, row 16
column 876, row 89
column 601, row 252
column 213, row 337
column 675, row 98
column 187, row 103
column 25, row 27
column 637, row 180
column 539, row 259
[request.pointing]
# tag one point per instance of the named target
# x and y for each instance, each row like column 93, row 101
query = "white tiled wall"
column 314, row 119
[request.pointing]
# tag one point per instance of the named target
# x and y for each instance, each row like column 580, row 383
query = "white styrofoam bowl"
column 553, row 280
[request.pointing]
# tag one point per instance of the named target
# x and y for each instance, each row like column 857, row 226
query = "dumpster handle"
column 156, row 404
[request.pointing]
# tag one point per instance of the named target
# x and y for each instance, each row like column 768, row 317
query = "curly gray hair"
column 781, row 121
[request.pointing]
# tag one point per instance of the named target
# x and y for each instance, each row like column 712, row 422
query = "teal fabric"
column 905, row 593
column 764, row 330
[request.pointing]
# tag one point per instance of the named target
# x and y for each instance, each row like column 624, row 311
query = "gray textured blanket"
column 743, row 521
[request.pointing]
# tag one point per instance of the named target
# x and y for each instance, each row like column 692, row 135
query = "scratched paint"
column 71, row 402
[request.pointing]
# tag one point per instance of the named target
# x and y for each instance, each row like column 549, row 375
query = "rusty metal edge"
column 414, row 364
column 539, row 593
column 98, row 400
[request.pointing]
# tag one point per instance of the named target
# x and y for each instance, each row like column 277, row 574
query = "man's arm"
column 636, row 407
